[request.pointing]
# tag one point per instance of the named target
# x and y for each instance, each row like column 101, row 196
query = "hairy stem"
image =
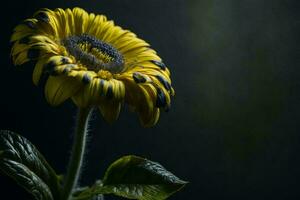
column 77, row 153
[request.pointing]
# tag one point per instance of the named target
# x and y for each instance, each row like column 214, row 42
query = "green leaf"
column 134, row 177
column 20, row 160
column 27, row 179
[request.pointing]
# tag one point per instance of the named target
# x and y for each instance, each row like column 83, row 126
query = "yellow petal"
column 118, row 89
column 95, row 29
column 89, row 94
column 27, row 25
column 92, row 17
column 103, row 31
column 132, row 46
column 148, row 112
column 20, row 58
column 59, row 60
column 63, row 22
column 149, row 120
column 108, row 31
column 149, row 93
column 38, row 70
column 81, row 20
column 60, row 88
column 44, row 39
column 17, row 35
column 106, row 88
column 141, row 99
column 110, row 110
column 47, row 22
column 70, row 20
column 65, row 69
column 116, row 33
column 18, row 48
column 140, row 55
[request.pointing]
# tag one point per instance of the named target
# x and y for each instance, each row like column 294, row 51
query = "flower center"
column 94, row 53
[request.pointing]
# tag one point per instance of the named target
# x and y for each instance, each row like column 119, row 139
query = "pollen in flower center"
column 94, row 53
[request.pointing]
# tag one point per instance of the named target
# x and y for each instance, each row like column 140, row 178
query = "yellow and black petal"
column 89, row 59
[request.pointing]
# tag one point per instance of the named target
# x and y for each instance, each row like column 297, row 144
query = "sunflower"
column 94, row 62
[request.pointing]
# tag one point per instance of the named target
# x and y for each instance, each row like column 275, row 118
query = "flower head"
column 94, row 62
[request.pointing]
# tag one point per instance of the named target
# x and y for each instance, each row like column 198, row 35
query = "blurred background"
column 233, row 128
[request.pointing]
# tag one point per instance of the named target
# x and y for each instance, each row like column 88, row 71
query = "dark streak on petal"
column 29, row 24
column 109, row 92
column 42, row 16
column 50, row 65
column 165, row 83
column 33, row 53
column 138, row 78
column 86, row 79
column 49, row 68
column 161, row 100
column 24, row 40
column 65, row 60
column 101, row 87
column 68, row 68
column 160, row 64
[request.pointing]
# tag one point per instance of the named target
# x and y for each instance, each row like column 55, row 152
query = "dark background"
column 233, row 129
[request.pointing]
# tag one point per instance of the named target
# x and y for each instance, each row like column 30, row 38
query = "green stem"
column 77, row 153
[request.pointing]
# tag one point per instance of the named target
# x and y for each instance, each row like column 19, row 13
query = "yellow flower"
column 94, row 62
